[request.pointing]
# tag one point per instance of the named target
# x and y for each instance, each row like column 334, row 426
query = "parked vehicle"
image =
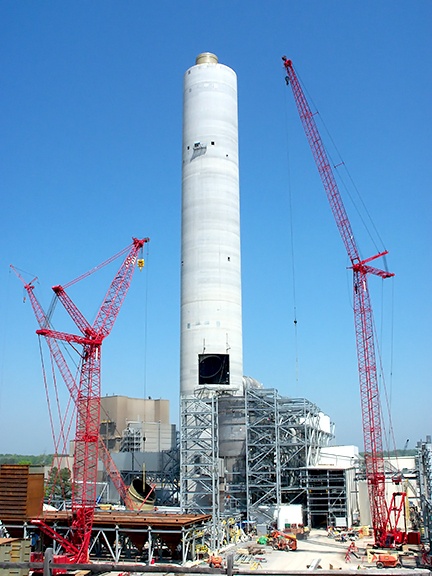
column 386, row 560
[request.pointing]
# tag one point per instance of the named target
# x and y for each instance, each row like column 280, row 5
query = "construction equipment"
column 383, row 559
column 384, row 517
column 215, row 561
column 283, row 541
column 85, row 392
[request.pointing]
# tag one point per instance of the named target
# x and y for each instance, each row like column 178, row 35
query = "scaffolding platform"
column 123, row 533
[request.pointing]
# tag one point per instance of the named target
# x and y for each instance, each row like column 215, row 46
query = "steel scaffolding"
column 199, row 459
column 262, row 454
column 284, row 436
column 424, row 466
column 132, row 438
column 328, row 497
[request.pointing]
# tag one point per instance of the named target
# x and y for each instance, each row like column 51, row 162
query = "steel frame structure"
column 424, row 468
column 327, row 495
column 169, row 477
column 199, row 459
column 132, row 438
column 165, row 478
column 190, row 537
column 263, row 478
column 283, row 439
column 301, row 436
column 284, row 436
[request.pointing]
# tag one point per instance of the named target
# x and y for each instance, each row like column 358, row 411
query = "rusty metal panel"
column 13, row 491
column 35, row 495
column 21, row 493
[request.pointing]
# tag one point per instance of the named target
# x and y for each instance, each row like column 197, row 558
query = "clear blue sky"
column 90, row 124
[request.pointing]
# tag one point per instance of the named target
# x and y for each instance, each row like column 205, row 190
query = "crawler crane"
column 384, row 517
column 85, row 392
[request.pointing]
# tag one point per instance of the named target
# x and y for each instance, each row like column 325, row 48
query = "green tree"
column 58, row 485
column 40, row 460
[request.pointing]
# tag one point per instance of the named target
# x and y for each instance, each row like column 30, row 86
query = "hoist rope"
column 389, row 441
column 145, row 320
column 50, row 413
column 292, row 244
column 60, row 439
column 359, row 205
column 47, row 394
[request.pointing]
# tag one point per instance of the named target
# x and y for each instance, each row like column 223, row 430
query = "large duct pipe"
column 141, row 495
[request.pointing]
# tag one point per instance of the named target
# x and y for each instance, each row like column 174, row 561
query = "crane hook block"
column 140, row 263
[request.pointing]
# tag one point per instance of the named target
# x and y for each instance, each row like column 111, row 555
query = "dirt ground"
column 317, row 550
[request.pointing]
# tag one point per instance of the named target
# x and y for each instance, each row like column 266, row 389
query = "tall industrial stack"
column 211, row 314
column 211, row 355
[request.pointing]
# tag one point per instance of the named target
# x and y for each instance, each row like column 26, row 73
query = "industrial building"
column 136, row 424
column 140, row 437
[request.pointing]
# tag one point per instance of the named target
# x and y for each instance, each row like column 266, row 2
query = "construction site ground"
column 315, row 551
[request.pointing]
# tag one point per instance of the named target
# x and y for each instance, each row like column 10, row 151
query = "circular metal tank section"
column 211, row 315
column 141, row 495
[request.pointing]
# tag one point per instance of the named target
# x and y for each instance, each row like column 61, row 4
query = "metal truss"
column 300, row 436
column 327, row 496
column 424, row 466
column 165, row 477
column 199, row 459
column 115, row 542
column 262, row 453
column 169, row 481
column 284, row 435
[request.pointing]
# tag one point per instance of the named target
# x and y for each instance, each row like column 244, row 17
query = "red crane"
column 384, row 517
column 86, row 394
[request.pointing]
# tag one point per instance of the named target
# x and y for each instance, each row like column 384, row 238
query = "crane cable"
column 388, row 390
column 372, row 238
column 291, row 226
column 359, row 205
column 56, row 442
column 388, row 432
column 145, row 320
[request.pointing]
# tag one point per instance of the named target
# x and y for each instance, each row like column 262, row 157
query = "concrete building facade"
column 136, row 424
